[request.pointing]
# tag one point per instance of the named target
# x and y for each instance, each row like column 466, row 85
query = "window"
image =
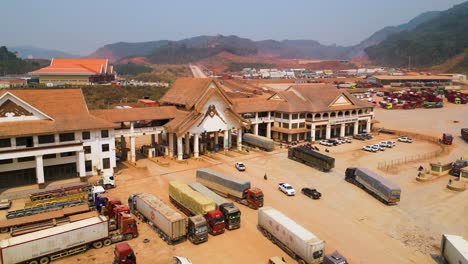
column 278, row 115
column 285, row 125
column 87, row 149
column 294, row 125
column 49, row 156
column 85, row 135
column 105, row 147
column 301, row 125
column 24, row 141
column 295, row 116
column 67, row 137
column 104, row 133
column 285, row 116
column 6, row 161
column 5, row 142
column 317, row 116
column 67, row 154
column 302, row 116
column 106, row 163
column 44, row 139
column 89, row 165
column 24, row 159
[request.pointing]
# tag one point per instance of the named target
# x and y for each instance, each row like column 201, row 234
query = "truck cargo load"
column 263, row 143
column 228, row 184
column 290, row 236
column 307, row 155
column 454, row 249
column 190, row 199
column 169, row 223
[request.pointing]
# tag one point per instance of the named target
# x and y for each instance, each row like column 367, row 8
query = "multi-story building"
column 50, row 134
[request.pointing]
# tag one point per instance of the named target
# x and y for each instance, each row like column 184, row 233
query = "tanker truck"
column 65, row 240
column 294, row 239
column 238, row 190
column 170, row 225
column 193, row 203
column 231, row 213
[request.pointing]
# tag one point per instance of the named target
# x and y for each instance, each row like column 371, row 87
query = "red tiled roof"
column 60, row 66
column 136, row 114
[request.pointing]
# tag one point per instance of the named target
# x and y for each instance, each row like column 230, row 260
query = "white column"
column 132, row 149
column 312, row 132
column 342, row 130
column 179, row 148
column 39, row 170
column 268, row 134
column 239, row 139
column 328, row 132
column 368, row 126
column 187, row 144
column 256, row 117
column 226, row 140
column 80, row 163
column 356, row 128
column 171, row 145
column 255, row 129
column 216, row 135
column 195, row 145
column 289, row 138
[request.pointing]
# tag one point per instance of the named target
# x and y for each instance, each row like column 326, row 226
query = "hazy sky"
column 82, row 26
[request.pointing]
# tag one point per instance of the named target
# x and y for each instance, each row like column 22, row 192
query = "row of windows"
column 47, row 139
column 293, row 125
column 306, row 115
column 88, row 163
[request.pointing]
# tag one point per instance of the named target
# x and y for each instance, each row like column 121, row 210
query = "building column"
column 187, row 143
column 328, row 132
column 179, row 148
column 40, row 169
column 132, row 149
column 255, row 129
column 230, row 138
column 80, row 163
column 171, row 144
column 216, row 135
column 239, row 139
column 289, row 138
column 268, row 134
column 368, row 126
column 356, row 128
column 342, row 130
column 195, row 145
column 312, row 133
column 226, row 140
column 153, row 140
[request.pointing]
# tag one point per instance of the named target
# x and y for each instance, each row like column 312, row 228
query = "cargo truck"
column 123, row 254
column 294, row 239
column 306, row 155
column 260, row 142
column 65, row 240
column 446, row 139
column 61, row 192
column 238, row 190
column 193, row 203
column 454, row 249
column 381, row 188
column 464, row 134
column 231, row 213
column 170, row 225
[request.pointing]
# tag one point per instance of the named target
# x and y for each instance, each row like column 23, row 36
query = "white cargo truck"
column 294, row 239
column 454, row 249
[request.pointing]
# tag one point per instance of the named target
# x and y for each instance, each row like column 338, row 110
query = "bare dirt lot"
column 347, row 218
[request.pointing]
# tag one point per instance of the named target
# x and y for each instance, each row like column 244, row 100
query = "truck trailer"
column 170, row 225
column 260, row 142
column 227, row 186
column 454, row 249
column 65, row 240
column 381, row 188
column 294, row 239
column 193, row 203
column 306, row 155
column 231, row 213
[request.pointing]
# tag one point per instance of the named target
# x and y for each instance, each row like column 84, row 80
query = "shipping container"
column 290, row 236
column 222, row 182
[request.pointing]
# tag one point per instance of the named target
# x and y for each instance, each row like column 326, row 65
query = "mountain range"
column 30, row 52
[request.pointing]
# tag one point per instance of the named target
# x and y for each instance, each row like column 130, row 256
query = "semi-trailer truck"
column 227, row 186
column 194, row 203
column 294, row 239
column 65, row 240
column 306, row 155
column 231, row 213
column 259, row 141
column 454, row 249
column 170, row 225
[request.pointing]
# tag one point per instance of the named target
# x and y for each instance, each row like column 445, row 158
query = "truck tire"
column 107, row 242
column 33, row 262
column 44, row 260
column 97, row 244
column 300, row 261
column 128, row 236
column 4, row 230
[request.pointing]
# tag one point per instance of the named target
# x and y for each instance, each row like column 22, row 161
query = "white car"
column 391, row 144
column 5, row 204
column 384, row 144
column 326, row 143
column 181, row 260
column 287, row 189
column 405, row 139
column 369, row 148
column 379, row 147
column 347, row 139
column 240, row 166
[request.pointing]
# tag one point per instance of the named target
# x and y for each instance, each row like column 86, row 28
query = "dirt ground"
column 348, row 219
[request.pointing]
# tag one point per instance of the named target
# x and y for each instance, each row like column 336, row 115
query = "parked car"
column 405, row 139
column 379, row 147
column 384, row 144
column 5, row 204
column 347, row 140
column 311, row 193
column 240, row 166
column 334, row 142
column 368, row 136
column 325, row 143
column 359, row 137
column 385, row 131
column 286, row 188
column 369, row 148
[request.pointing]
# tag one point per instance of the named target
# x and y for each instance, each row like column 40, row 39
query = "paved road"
column 197, row 72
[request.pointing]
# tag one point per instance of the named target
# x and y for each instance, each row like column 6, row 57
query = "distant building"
column 388, row 79
column 12, row 83
column 75, row 72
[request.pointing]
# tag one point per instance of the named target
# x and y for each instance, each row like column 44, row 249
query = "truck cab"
column 127, row 226
column 107, row 180
column 231, row 214
column 109, row 208
column 119, row 209
column 215, row 220
column 254, row 197
column 197, row 229
column 447, row 139
column 123, row 254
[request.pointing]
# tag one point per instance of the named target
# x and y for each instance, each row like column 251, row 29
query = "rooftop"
column 413, row 77
column 61, row 66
